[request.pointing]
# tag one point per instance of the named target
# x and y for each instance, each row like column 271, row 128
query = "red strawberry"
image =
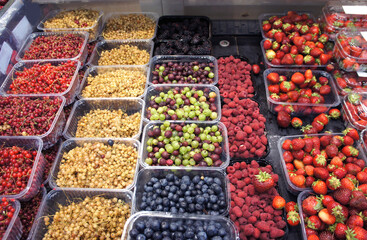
column 325, row 90
column 298, row 180
column 347, row 183
column 350, row 151
column 359, row 203
column 298, row 78
column 351, row 132
column 316, row 52
column 362, row 177
column 348, row 141
column 326, row 217
column 356, row 233
column 340, row 212
column 333, row 183
column 287, row 60
column 340, row 172
column 337, row 141
column 278, row 202
column 293, row 95
column 319, row 126
column 296, row 122
column 323, row 118
column 283, row 119
column 309, row 60
column 325, row 140
column 331, row 150
column 287, row 144
column 321, row 173
column 263, row 182
column 298, row 144
column 326, row 199
column 352, row 168
column 291, row 206
column 342, row 195
column 278, row 36
column 319, row 160
column 355, row 221
column 319, row 187
column 314, row 222
column 267, row 44
column 311, row 205
column 340, row 229
column 293, row 218
column 273, row 77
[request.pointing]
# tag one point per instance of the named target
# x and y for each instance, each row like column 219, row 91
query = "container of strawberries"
column 317, row 93
column 348, row 82
column 350, row 50
column 322, row 162
column 337, row 215
column 341, row 15
column 354, row 106
column 293, row 40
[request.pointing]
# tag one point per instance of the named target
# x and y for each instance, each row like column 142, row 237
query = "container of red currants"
column 43, row 78
column 11, row 226
column 183, row 70
column 185, row 145
column 21, row 179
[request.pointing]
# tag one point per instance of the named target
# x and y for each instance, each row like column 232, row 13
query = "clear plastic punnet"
column 82, row 107
column 69, row 93
column 340, row 15
column 79, row 142
column 302, row 196
column 35, row 178
column 155, row 90
column 106, row 45
column 350, row 50
column 51, row 204
column 289, row 185
column 331, row 99
column 354, row 106
column 227, row 224
column 82, row 55
column 44, row 194
column 93, row 30
column 166, row 59
column 94, row 71
column 146, row 174
column 153, row 16
column 14, row 230
column 224, row 156
column 348, row 82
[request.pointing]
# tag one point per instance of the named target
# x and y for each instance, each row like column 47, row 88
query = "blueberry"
column 167, row 238
column 166, row 188
column 222, row 232
column 191, row 207
column 202, row 236
column 141, row 237
column 187, row 193
column 166, row 209
column 148, row 232
column 148, row 188
column 183, row 204
column 148, row 209
column 143, row 205
column 177, row 182
column 208, row 180
column 215, row 207
column 154, row 180
column 217, row 181
column 164, row 182
column 216, row 238
column 189, row 233
column 188, row 199
column 217, row 189
column 164, row 225
column 166, row 233
column 178, row 236
column 211, row 230
column 186, row 180
column 189, row 222
column 164, row 193
column 166, row 202
column 159, row 200
column 198, row 207
column 173, row 189
column 140, row 226
column 157, row 185
column 173, row 226
column 170, row 177
column 183, row 187
column 213, row 198
column 134, row 233
column 181, row 210
column 173, row 210
column 157, row 236
column 110, row 142
column 159, row 208
column 199, row 199
column 210, row 192
column 170, row 195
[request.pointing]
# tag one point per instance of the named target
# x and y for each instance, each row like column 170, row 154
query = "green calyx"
column 354, row 98
column 262, row 176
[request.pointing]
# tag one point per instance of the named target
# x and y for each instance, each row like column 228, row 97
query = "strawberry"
column 340, row 172
column 298, row 59
column 326, row 199
column 293, row 218
column 348, row 141
column 321, row 173
column 319, row 160
column 338, row 211
column 283, row 119
column 355, row 221
column 298, row 180
column 293, row 95
column 323, row 80
column 311, row 205
column 359, row 203
column 340, row 230
column 314, row 222
column 286, row 86
column 362, row 177
column 331, row 150
column 290, row 206
column 278, row 202
column 352, row 168
column 319, row 187
column 318, row 126
column 356, row 233
column 333, row 183
column 326, row 217
column 298, row 78
column 287, row 60
column 324, row 58
column 308, row 145
column 334, row 113
column 309, row 60
column 278, row 36
column 337, row 141
column 316, row 52
column 267, row 44
column 316, row 142
column 296, row 122
column 287, row 144
column 312, row 237
column 263, row 182
column 350, row 151
column 270, row 54
column 309, row 181
column 255, row 69
column 351, row 132
column 322, row 118
column 342, row 195
column 298, row 144
column 298, row 41
column 347, row 183
column 274, row 88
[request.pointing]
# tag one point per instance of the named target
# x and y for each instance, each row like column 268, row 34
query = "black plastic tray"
column 159, row 42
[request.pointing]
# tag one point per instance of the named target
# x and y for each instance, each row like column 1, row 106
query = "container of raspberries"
column 192, row 227
column 337, row 215
column 54, row 45
column 183, row 69
column 203, row 145
column 11, row 226
column 42, row 117
column 43, row 78
column 67, row 205
column 317, row 91
column 354, row 110
column 22, row 178
column 183, row 102
column 200, row 192
column 308, row 161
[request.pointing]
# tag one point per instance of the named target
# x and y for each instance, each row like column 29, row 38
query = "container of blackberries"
column 177, row 190
column 146, row 225
column 182, row 102
column 178, row 144
column 183, row 70
column 195, row 46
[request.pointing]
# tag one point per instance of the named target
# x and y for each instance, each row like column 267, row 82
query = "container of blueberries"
column 183, row 70
column 207, row 145
column 182, row 102
column 182, row 191
column 145, row 225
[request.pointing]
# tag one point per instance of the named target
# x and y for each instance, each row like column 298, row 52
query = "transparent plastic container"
column 8, row 48
column 104, row 45
column 93, row 30
column 14, row 230
column 44, row 194
column 270, row 65
column 266, row 16
column 363, row 140
column 347, row 82
column 144, row 216
column 336, row 19
column 152, row 15
column 28, row 42
column 302, row 196
column 331, row 100
column 224, row 144
column 55, row 198
column 356, row 112
column 160, row 59
column 94, row 71
column 72, row 143
column 350, row 51
column 290, row 186
column 35, row 178
column 54, row 133
column 154, row 90
column 69, row 93
column 84, row 106
column 146, row 174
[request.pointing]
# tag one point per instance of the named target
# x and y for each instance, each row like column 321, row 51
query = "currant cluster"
column 28, row 213
column 43, row 78
column 25, row 116
column 54, row 47
column 16, row 166
column 7, row 212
